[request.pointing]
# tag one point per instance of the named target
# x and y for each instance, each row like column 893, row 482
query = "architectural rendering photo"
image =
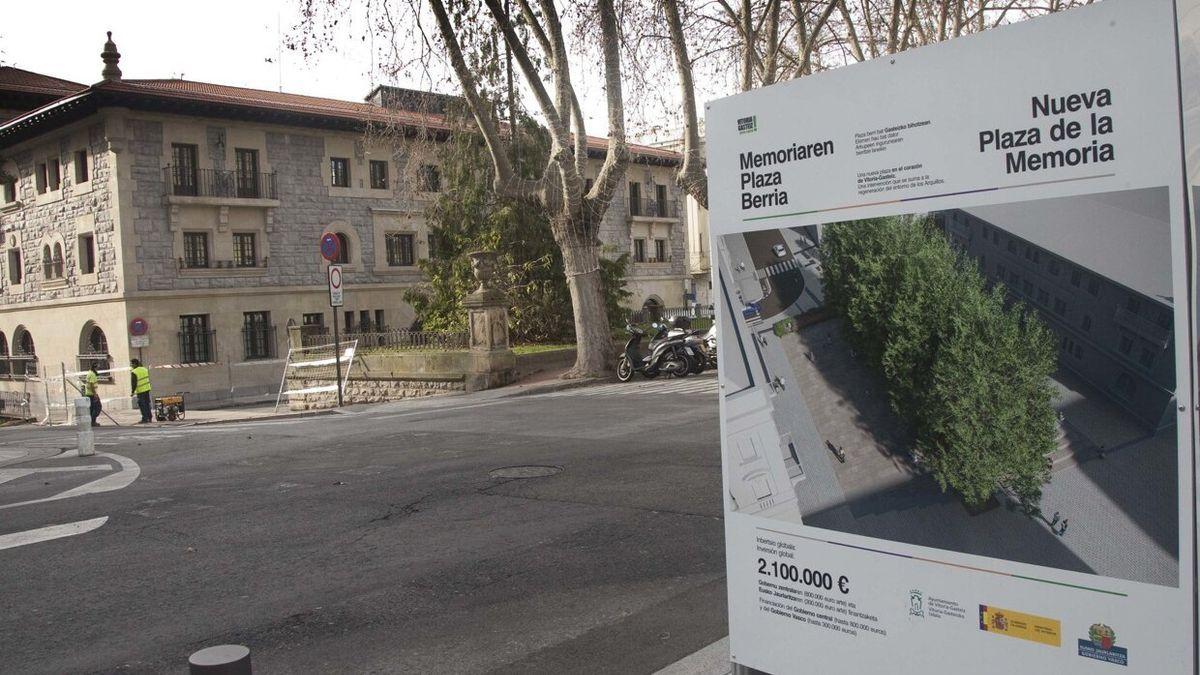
column 995, row 380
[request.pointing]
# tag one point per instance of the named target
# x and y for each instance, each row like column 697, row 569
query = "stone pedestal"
column 492, row 360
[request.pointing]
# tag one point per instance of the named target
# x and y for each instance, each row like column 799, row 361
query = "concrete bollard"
column 83, row 424
column 220, row 660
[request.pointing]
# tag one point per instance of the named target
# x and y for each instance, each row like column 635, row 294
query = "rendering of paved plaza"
column 1113, row 480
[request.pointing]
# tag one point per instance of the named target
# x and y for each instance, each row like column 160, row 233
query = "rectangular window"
column 430, row 178
column 1037, row 256
column 379, row 174
column 1028, row 256
column 54, row 175
column 258, row 336
column 195, row 250
column 1054, row 266
column 400, row 250
column 983, row 231
column 639, row 250
column 660, row 250
column 81, row 167
column 195, row 339
column 1076, row 277
column 1087, row 322
column 1060, row 307
column 660, row 200
column 1043, row 297
column 87, row 253
column 348, row 317
column 1164, row 318
column 10, row 191
column 1126, row 345
column 339, row 172
column 1133, row 305
column 247, row 173
column 635, row 199
column 996, row 237
column 184, row 170
column 1094, row 286
column 314, row 319
column 1078, row 352
column 379, row 324
column 1146, row 358
column 1012, row 245
column 244, row 253
column 364, row 320
column 15, row 271
column 39, row 177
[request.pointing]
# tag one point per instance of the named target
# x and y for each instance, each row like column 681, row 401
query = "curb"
column 261, row 418
column 552, row 386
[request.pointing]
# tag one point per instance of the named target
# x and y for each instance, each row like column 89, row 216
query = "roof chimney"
column 110, row 56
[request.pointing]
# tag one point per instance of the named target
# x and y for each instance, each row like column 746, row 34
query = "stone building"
column 1093, row 269
column 198, row 208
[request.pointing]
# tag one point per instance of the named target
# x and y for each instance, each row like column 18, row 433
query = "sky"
column 219, row 41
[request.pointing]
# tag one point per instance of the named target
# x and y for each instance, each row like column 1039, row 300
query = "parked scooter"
column 710, row 346
column 693, row 342
column 666, row 355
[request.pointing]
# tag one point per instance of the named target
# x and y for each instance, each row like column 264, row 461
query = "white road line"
column 50, row 532
column 114, row 481
column 7, row 475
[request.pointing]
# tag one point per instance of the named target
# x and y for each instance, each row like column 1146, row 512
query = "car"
column 779, row 250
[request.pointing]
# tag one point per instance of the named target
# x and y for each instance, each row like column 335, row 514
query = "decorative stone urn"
column 492, row 359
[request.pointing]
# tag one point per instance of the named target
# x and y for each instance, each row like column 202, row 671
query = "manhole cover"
column 532, row 471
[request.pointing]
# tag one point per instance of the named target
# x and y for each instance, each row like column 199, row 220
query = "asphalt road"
column 379, row 541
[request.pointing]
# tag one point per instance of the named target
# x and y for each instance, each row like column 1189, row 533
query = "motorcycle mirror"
column 654, row 325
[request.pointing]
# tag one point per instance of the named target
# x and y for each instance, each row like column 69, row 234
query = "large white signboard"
column 957, row 362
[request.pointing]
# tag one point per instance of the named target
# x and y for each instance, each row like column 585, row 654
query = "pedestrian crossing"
column 639, row 386
column 781, row 267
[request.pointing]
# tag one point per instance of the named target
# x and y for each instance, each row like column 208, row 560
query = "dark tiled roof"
column 17, row 79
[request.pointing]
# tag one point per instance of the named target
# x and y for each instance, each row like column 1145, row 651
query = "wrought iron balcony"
column 653, row 208
column 185, row 182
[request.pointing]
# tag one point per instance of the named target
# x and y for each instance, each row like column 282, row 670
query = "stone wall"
column 63, row 214
column 364, row 390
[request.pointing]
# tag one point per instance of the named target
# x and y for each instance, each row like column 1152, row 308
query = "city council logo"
column 747, row 125
column 1101, row 644
column 916, row 603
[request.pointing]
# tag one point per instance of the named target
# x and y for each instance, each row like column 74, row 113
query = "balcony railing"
column 1143, row 327
column 648, row 314
column 653, row 208
column 258, row 342
column 182, row 182
column 256, row 263
column 18, row 366
column 197, row 346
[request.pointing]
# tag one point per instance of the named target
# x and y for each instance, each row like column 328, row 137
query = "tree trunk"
column 593, row 337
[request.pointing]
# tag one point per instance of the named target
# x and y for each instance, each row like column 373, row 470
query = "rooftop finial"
column 110, row 56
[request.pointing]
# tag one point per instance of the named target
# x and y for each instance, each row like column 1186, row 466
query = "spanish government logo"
column 1102, row 646
column 916, row 603
column 747, row 125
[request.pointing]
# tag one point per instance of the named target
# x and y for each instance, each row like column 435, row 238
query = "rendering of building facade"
column 1092, row 267
column 198, row 209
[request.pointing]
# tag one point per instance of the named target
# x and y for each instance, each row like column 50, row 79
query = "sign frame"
column 336, row 286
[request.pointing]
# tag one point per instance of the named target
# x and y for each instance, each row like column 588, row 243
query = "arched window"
column 343, row 249
column 5, row 369
column 23, row 359
column 47, row 263
column 23, row 343
column 653, row 308
column 93, row 349
column 58, row 261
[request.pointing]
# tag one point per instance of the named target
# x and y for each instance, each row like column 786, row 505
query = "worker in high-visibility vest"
column 89, row 390
column 139, row 382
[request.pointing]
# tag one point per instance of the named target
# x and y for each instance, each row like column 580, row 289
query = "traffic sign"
column 139, row 327
column 335, row 285
column 331, row 247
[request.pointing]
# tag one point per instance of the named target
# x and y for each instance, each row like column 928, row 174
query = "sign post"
column 330, row 250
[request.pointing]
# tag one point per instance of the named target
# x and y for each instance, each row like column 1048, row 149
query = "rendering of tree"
column 967, row 373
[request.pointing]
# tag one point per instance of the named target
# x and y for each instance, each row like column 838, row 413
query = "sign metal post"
column 331, row 250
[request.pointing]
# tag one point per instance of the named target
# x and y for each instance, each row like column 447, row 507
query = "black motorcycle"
column 667, row 355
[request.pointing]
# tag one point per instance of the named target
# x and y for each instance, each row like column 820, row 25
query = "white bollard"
column 83, row 425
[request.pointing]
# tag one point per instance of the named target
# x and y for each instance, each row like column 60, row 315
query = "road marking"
column 114, row 481
column 7, row 475
column 50, row 532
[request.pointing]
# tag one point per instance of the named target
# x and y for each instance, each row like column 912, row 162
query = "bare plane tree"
column 472, row 38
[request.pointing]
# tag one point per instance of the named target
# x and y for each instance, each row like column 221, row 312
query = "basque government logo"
column 748, row 125
column 1101, row 645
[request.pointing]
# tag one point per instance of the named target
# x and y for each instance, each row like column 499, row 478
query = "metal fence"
column 14, row 404
column 648, row 314
column 654, row 208
column 402, row 339
column 185, row 182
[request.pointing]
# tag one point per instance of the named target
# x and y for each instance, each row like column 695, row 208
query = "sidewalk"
column 215, row 416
